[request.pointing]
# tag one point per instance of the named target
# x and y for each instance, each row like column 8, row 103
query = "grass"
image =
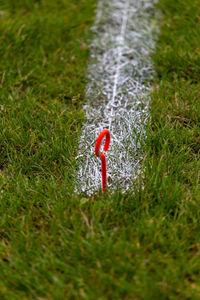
column 55, row 245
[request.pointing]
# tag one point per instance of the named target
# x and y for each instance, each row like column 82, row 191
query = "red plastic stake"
column 104, row 132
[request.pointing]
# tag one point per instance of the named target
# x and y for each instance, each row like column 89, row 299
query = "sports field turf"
column 54, row 244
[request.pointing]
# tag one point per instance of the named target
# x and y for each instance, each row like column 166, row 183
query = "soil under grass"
column 54, row 244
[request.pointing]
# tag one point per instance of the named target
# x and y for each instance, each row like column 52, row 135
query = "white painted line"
column 119, row 77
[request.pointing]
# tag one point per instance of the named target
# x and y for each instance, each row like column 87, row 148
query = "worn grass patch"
column 55, row 245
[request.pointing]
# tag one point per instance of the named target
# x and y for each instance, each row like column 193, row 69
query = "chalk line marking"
column 119, row 78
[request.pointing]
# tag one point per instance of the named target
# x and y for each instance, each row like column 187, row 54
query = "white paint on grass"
column 119, row 77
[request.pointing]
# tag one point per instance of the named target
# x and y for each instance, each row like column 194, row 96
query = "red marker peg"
column 104, row 132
